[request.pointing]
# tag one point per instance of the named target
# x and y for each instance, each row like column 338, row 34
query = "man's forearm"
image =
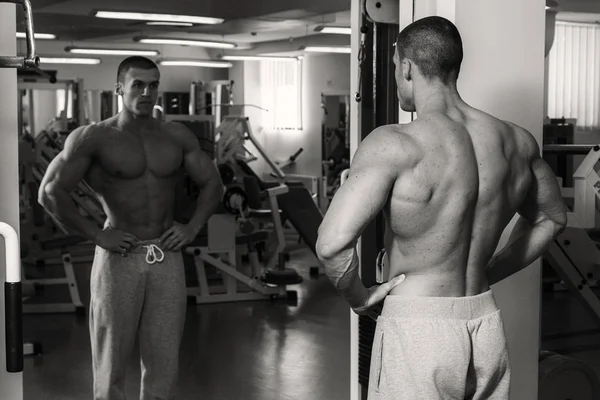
column 342, row 270
column 526, row 244
column 61, row 206
column 207, row 204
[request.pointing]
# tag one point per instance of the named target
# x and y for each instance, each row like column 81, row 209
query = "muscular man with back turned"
column 138, row 290
column 448, row 184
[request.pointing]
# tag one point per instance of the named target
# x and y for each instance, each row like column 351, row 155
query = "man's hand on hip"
column 177, row 236
column 115, row 240
column 376, row 294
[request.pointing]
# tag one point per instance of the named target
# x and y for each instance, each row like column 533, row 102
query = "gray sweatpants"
column 439, row 348
column 132, row 298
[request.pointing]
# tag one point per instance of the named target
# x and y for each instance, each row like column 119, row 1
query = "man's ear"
column 407, row 70
column 118, row 89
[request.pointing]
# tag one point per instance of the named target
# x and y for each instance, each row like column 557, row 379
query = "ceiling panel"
column 245, row 21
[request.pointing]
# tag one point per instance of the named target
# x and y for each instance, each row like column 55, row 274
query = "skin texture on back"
column 448, row 184
column 447, row 211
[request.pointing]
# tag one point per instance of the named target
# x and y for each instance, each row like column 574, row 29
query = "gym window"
column 281, row 94
column 574, row 74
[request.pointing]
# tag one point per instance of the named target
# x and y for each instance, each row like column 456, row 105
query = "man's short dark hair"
column 434, row 45
column 133, row 62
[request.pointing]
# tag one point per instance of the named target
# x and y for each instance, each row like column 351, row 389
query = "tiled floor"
column 258, row 350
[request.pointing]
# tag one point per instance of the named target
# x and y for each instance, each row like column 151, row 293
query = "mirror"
column 335, row 130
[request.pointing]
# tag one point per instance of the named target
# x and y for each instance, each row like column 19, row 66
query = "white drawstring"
column 151, row 256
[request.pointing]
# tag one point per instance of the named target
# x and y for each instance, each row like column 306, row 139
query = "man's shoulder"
column 180, row 134
column 394, row 143
column 393, row 133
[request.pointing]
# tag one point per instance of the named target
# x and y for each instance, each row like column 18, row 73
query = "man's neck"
column 434, row 97
column 128, row 120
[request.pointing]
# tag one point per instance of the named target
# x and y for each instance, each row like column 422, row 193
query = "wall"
column 320, row 72
column 11, row 384
column 102, row 76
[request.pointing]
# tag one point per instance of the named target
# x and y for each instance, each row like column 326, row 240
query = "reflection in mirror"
column 335, row 139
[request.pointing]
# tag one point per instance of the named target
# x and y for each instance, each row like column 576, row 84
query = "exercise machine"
column 298, row 206
column 218, row 249
column 55, row 113
column 585, row 192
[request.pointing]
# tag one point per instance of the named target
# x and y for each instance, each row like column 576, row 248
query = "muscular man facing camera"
column 138, row 288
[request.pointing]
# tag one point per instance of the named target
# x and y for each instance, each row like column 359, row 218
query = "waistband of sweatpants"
column 144, row 246
column 468, row 307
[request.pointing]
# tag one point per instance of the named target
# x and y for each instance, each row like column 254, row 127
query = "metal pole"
column 570, row 148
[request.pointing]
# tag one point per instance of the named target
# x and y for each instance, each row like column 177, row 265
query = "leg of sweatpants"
column 117, row 294
column 161, row 328
column 422, row 359
column 489, row 377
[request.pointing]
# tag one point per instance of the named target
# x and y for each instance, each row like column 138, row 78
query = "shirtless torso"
column 134, row 175
column 468, row 176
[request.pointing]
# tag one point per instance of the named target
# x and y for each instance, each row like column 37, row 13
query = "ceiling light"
column 185, row 42
column 340, row 30
column 157, row 17
column 167, row 23
column 258, row 58
column 74, row 60
column 111, row 52
column 197, row 63
column 22, row 35
column 316, row 49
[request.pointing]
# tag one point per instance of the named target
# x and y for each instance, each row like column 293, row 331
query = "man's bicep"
column 544, row 200
column 200, row 166
column 357, row 202
column 69, row 167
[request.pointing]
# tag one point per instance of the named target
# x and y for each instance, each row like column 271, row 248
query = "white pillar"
column 11, row 384
column 355, row 138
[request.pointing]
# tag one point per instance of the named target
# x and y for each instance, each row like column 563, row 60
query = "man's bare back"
column 470, row 173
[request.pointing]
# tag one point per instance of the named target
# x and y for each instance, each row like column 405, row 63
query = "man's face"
column 404, row 82
column 140, row 90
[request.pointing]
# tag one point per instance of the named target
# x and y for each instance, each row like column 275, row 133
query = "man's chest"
column 130, row 156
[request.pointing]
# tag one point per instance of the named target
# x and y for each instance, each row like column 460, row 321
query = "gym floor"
column 259, row 350
column 247, row 350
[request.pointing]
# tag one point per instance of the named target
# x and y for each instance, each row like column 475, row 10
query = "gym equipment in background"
column 583, row 188
column 218, row 249
column 561, row 377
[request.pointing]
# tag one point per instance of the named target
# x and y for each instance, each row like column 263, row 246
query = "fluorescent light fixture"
column 157, row 17
column 111, row 52
column 340, row 30
column 74, row 60
column 185, row 42
column 22, row 35
column 258, row 58
column 197, row 63
column 317, row 49
column 167, row 23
